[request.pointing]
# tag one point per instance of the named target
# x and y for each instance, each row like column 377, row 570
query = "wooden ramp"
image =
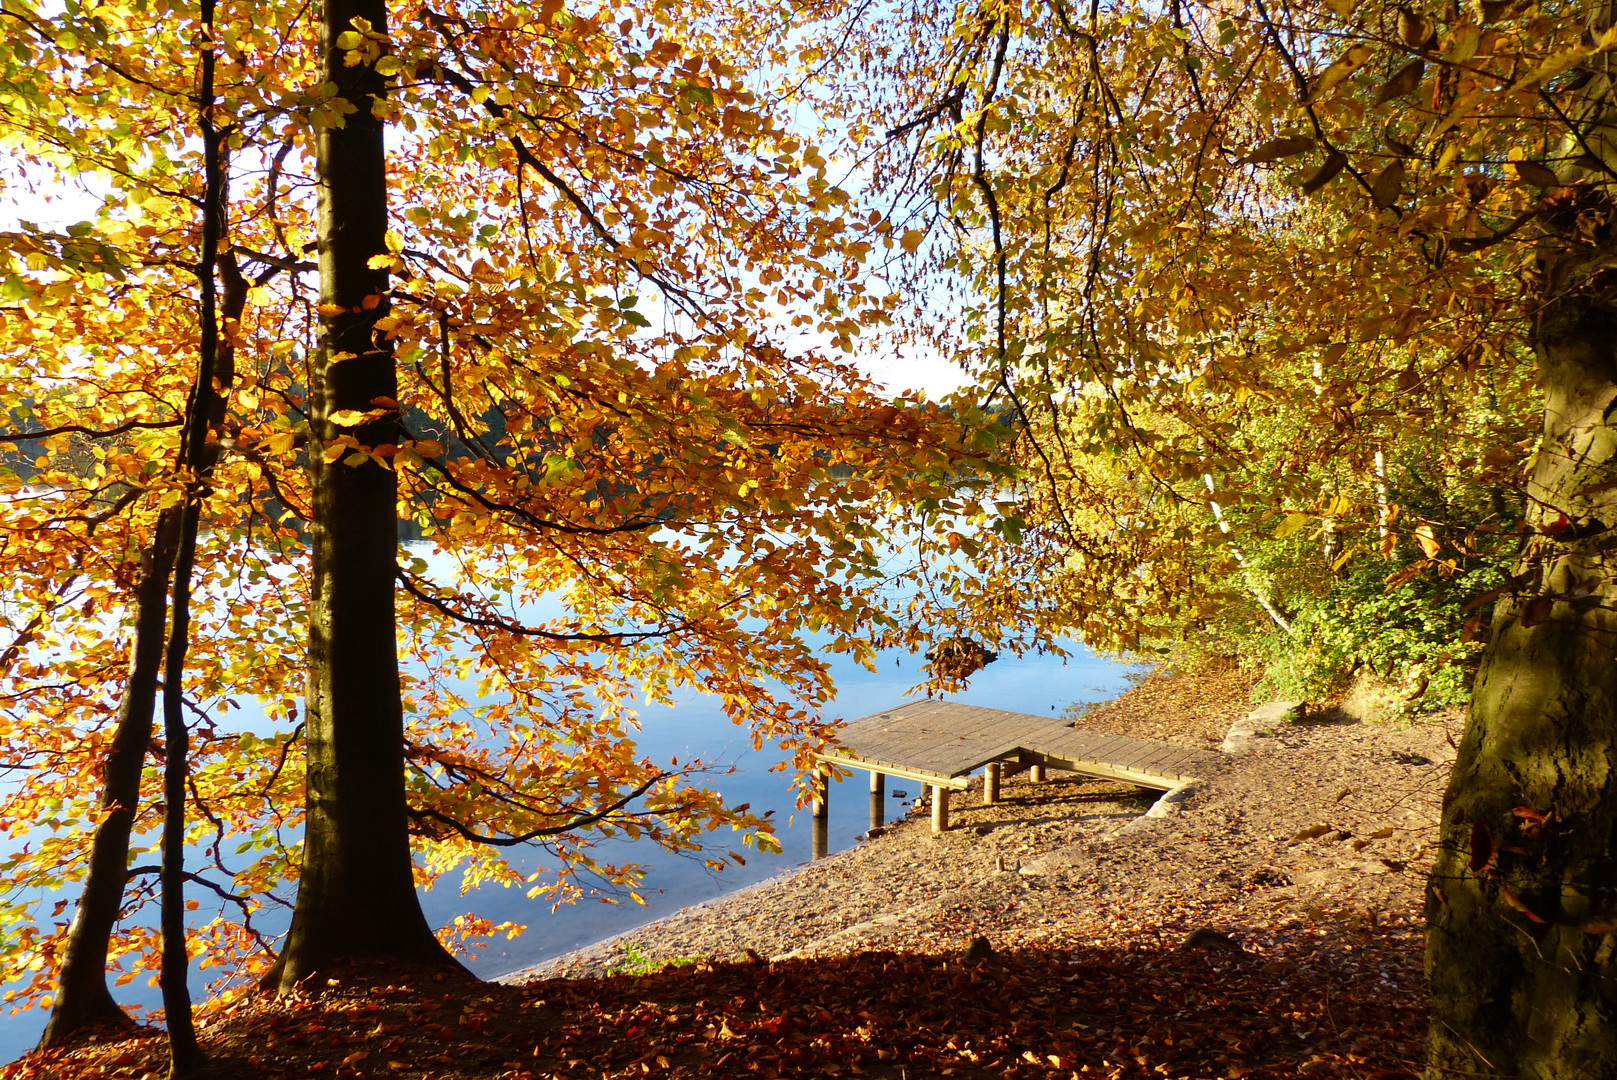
column 940, row 743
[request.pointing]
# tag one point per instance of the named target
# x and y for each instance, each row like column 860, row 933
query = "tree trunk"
column 83, row 1001
column 1522, row 904
column 203, row 415
column 356, row 896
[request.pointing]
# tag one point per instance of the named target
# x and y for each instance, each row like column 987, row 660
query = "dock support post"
column 991, row 783
column 1036, row 774
column 822, row 814
column 878, row 791
column 940, row 809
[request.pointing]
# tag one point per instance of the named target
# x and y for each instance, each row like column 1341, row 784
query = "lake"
column 696, row 726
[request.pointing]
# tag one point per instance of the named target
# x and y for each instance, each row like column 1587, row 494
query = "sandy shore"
column 1322, row 827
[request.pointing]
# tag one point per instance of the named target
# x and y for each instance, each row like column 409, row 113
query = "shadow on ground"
column 1135, row 1011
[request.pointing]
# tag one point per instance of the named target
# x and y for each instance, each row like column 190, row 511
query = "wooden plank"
column 940, row 741
column 954, row 783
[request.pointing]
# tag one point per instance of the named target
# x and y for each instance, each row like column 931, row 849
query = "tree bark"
column 204, row 412
column 83, row 1002
column 1522, row 904
column 356, row 896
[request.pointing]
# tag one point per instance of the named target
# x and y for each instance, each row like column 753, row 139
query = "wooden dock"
column 940, row 743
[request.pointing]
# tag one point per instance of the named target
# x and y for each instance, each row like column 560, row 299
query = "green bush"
column 637, row 962
column 1408, row 633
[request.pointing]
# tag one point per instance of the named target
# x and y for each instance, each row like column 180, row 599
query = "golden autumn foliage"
column 625, row 291
column 1263, row 257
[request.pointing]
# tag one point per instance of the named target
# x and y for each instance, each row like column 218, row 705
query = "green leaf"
column 700, row 93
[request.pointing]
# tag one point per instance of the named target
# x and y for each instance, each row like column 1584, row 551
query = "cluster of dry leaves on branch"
column 1312, row 966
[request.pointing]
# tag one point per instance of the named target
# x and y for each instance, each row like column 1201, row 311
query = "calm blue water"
column 696, row 726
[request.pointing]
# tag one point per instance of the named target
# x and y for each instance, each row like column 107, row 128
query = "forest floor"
column 1269, row 928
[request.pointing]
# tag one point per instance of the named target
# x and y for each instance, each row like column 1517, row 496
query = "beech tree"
column 1169, row 225
column 587, row 332
column 356, row 888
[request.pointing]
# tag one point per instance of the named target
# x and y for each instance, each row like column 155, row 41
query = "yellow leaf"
column 347, row 417
column 1386, row 187
column 1463, row 44
column 1405, row 81
column 1539, row 176
column 379, row 262
column 1334, row 163
column 911, row 240
column 357, row 1055
column 1553, row 66
column 1274, row 149
column 394, row 242
column 1428, row 541
column 331, row 310
column 1416, row 30
column 1291, row 524
column 388, row 65
column 1343, row 66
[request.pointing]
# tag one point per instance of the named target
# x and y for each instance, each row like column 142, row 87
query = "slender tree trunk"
column 1522, row 904
column 204, row 410
column 83, row 1002
column 356, row 897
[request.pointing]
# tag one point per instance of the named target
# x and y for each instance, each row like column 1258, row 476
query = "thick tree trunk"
column 356, row 897
column 83, row 1001
column 1522, row 904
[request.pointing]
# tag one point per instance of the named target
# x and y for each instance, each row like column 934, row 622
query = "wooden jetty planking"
column 939, row 742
